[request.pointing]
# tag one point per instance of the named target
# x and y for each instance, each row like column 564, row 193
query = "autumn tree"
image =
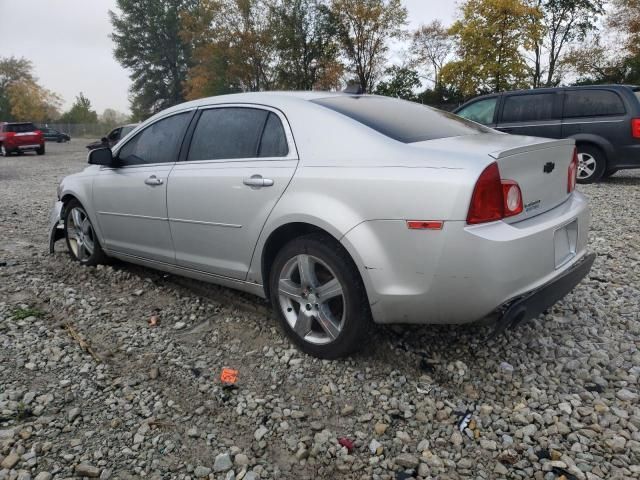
column 625, row 19
column 559, row 23
column 148, row 44
column 81, row 112
column 233, row 47
column 12, row 70
column 431, row 46
column 491, row 36
column 305, row 46
column 400, row 83
column 31, row 102
column 365, row 29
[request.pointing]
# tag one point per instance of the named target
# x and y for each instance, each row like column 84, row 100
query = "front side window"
column 592, row 103
column 114, row 134
column 481, row 111
column 528, row 108
column 236, row 132
column 158, row 143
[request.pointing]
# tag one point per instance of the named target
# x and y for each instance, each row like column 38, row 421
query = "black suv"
column 53, row 135
column 603, row 119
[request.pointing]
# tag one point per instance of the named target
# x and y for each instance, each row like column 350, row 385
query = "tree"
column 30, row 102
column 111, row 118
column 364, row 29
column 306, row 50
column 80, row 112
column 147, row 42
column 401, row 83
column 432, row 45
column 561, row 22
column 12, row 70
column 233, row 47
column 625, row 19
column 491, row 36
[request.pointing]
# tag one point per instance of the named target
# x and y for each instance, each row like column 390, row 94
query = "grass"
column 22, row 313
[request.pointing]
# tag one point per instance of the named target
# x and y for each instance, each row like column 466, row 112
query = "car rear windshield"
column 19, row 127
column 407, row 122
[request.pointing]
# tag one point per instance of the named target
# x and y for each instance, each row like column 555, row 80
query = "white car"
column 341, row 209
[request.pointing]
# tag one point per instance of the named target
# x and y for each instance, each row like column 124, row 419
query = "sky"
column 68, row 42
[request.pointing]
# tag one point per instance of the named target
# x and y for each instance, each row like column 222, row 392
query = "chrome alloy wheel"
column 80, row 234
column 312, row 299
column 586, row 166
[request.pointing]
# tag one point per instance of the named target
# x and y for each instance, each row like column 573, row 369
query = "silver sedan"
column 341, row 209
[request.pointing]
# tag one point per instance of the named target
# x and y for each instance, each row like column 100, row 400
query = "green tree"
column 491, row 37
column 401, row 83
column 365, row 29
column 148, row 44
column 30, row 102
column 12, row 70
column 306, row 50
column 80, row 112
column 561, row 22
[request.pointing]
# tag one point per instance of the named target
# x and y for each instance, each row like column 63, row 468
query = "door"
column 482, row 111
column 534, row 114
column 240, row 161
column 131, row 200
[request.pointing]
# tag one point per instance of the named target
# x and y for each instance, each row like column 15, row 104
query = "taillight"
column 512, row 197
column 494, row 198
column 8, row 137
column 635, row 127
column 573, row 172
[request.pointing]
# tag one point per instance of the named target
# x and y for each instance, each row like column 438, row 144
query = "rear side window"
column 528, row 108
column 236, row 132
column 274, row 140
column 401, row 120
column 158, row 143
column 481, row 111
column 20, row 127
column 592, row 103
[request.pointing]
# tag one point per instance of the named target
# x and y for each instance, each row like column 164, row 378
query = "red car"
column 20, row 137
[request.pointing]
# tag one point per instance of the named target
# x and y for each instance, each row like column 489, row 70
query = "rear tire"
column 40, row 151
column 82, row 241
column 592, row 164
column 319, row 297
column 4, row 152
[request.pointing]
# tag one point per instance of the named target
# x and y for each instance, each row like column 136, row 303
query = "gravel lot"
column 89, row 388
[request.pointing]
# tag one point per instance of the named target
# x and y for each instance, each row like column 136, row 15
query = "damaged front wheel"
column 80, row 235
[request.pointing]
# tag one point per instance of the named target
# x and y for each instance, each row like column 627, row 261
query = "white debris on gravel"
column 556, row 398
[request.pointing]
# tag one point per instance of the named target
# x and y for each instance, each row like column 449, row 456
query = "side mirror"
column 101, row 156
column 104, row 140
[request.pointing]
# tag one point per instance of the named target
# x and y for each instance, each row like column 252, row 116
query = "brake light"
column 573, row 172
column 9, row 136
column 635, row 127
column 493, row 198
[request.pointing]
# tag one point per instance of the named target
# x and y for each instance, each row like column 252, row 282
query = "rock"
column 202, row 471
column 251, row 476
column 423, row 445
column 565, row 407
column 193, row 432
column 260, row 432
column 86, row 470
column 626, row 395
column 500, row 469
column 43, row 476
column 488, row 444
column 617, row 443
column 10, row 460
column 456, row 438
column 241, row 460
column 154, row 373
column 347, row 410
column 73, row 414
column 506, row 366
column 406, row 460
column 222, row 463
column 179, row 325
column 375, row 447
column 403, row 436
column 380, row 428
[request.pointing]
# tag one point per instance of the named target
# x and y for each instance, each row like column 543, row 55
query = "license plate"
column 565, row 242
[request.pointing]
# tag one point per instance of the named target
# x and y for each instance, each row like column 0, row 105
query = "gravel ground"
column 89, row 388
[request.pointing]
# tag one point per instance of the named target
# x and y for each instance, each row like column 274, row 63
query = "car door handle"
column 257, row 181
column 153, row 181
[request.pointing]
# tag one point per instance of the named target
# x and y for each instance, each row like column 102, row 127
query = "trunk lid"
column 540, row 166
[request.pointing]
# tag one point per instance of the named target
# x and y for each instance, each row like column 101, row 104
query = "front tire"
column 319, row 297
column 82, row 241
column 40, row 151
column 592, row 164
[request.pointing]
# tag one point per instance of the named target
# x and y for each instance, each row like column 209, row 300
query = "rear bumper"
column 463, row 273
column 532, row 304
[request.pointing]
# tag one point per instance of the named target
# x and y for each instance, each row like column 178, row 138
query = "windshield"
column 407, row 122
column 20, row 127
